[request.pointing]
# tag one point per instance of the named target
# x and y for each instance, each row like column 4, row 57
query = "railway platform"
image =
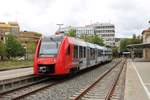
column 14, row 73
column 137, row 86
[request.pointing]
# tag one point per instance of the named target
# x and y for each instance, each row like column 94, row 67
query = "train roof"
column 91, row 45
column 81, row 42
column 99, row 47
column 53, row 38
column 77, row 41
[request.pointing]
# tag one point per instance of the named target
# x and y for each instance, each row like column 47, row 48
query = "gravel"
column 65, row 90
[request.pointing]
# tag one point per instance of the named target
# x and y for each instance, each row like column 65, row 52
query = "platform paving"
column 137, row 86
column 9, row 74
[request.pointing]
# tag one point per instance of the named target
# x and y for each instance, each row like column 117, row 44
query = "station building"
column 146, row 42
column 145, row 45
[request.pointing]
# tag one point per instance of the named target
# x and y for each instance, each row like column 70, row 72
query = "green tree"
column 31, row 47
column 123, row 45
column 13, row 47
column 115, row 52
column 135, row 39
column 125, row 42
column 97, row 40
column 93, row 39
column 72, row 32
column 2, row 50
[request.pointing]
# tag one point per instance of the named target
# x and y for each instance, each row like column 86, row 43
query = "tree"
column 72, row 32
column 115, row 52
column 93, row 39
column 2, row 50
column 125, row 42
column 31, row 47
column 135, row 39
column 97, row 40
column 13, row 47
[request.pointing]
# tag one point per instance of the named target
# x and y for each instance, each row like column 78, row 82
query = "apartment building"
column 104, row 30
column 6, row 28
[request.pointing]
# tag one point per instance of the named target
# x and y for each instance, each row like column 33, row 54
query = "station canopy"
column 142, row 45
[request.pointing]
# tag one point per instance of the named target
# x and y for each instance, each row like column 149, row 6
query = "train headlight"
column 42, row 69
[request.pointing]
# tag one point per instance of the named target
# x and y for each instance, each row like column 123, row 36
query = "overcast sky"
column 128, row 16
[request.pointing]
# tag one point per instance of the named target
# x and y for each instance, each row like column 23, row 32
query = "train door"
column 76, row 56
column 68, row 56
column 82, row 58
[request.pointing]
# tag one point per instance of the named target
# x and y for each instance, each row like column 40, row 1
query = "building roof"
column 100, row 24
column 9, row 25
column 30, row 32
column 147, row 30
column 13, row 23
column 142, row 45
column 5, row 25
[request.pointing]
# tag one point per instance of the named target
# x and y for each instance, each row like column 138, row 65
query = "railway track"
column 14, row 83
column 118, row 91
column 29, row 89
column 23, row 91
column 103, row 88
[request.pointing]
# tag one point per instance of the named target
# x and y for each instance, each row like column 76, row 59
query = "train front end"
column 46, row 56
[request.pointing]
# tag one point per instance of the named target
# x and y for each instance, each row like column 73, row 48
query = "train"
column 62, row 55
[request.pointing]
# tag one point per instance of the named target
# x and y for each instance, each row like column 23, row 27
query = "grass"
column 13, row 64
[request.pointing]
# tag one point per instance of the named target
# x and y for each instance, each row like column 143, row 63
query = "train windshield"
column 49, row 48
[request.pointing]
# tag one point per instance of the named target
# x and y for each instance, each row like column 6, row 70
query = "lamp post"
column 59, row 25
column 25, row 52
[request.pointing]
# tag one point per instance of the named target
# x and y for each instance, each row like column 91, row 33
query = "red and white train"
column 59, row 55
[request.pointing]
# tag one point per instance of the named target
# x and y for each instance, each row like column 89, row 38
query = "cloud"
column 129, row 16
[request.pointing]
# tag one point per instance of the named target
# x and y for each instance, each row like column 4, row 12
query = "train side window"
column 84, row 52
column 80, row 52
column 99, row 53
column 75, row 51
column 103, row 53
column 91, row 53
column 68, row 50
column 94, row 52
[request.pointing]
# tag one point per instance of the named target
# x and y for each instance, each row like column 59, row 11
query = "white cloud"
column 42, row 15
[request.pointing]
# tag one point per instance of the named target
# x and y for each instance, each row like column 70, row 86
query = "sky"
column 128, row 16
